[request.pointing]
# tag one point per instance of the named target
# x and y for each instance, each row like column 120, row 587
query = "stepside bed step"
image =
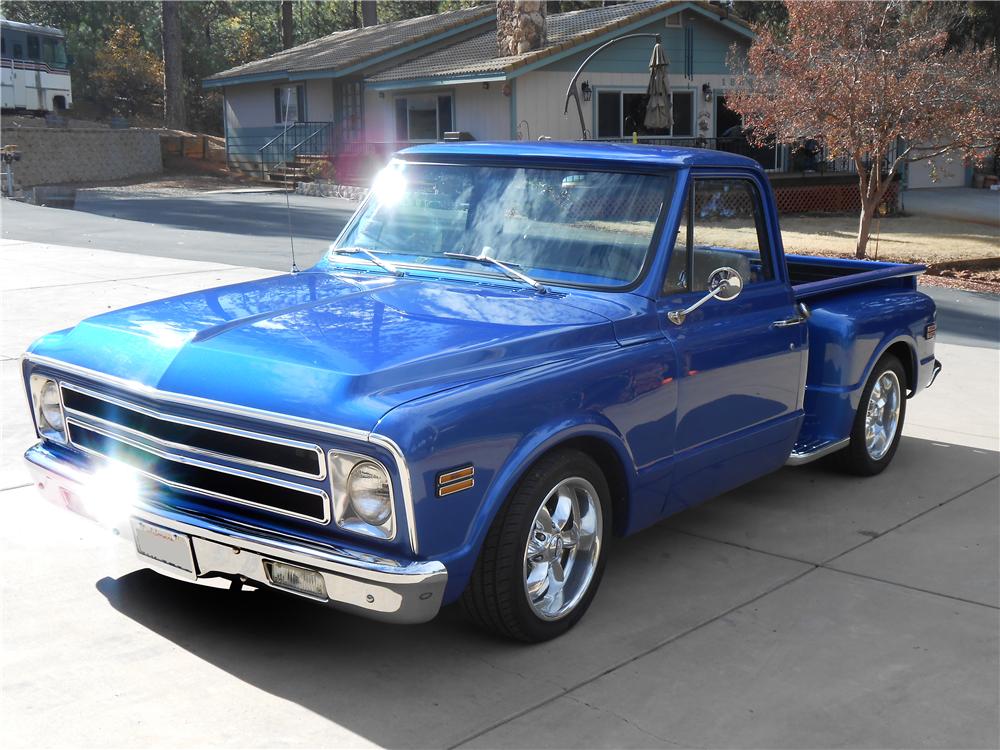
column 804, row 453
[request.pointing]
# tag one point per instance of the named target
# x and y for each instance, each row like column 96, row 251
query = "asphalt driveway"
column 237, row 228
column 806, row 609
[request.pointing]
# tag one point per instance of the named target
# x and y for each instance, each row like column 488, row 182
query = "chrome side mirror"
column 724, row 284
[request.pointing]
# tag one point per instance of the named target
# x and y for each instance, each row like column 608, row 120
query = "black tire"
column 495, row 598
column 855, row 459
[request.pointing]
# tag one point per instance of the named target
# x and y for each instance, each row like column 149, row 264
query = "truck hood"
column 338, row 349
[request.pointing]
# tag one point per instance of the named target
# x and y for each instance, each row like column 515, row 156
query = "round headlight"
column 368, row 488
column 50, row 406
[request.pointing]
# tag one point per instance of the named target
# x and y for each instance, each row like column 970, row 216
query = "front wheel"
column 878, row 424
column 543, row 558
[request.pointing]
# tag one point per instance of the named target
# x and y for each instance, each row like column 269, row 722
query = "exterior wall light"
column 588, row 93
column 706, row 91
column 486, row 84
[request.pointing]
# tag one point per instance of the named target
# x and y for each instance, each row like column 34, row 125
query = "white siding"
column 250, row 106
column 540, row 96
column 319, row 100
column 379, row 126
column 485, row 113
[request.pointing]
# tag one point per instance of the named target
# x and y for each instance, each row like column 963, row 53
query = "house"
column 357, row 95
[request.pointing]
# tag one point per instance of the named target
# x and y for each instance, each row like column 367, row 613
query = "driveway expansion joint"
column 565, row 692
column 922, row 513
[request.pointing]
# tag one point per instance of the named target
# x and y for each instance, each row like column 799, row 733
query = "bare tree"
column 873, row 81
column 287, row 25
column 173, row 65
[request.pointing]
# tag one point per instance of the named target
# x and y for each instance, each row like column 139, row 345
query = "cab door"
column 741, row 362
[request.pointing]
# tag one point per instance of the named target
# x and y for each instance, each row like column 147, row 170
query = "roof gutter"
column 420, row 83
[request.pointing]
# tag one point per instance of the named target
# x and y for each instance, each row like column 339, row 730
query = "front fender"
column 625, row 397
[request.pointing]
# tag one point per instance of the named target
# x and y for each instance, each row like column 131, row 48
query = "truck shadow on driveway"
column 439, row 683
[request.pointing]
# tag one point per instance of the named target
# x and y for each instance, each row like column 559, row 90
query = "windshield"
column 54, row 51
column 561, row 226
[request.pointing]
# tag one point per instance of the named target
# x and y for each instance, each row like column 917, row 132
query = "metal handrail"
column 312, row 135
column 279, row 135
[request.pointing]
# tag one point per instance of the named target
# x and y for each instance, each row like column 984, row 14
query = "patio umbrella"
column 658, row 114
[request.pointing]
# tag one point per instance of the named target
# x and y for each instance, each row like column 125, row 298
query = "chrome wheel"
column 563, row 548
column 882, row 415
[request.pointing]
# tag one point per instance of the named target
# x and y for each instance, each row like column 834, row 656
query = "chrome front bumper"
column 371, row 586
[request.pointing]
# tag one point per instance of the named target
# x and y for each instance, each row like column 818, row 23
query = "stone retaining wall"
column 52, row 156
column 325, row 189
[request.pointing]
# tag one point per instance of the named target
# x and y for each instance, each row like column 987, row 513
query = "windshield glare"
column 561, row 226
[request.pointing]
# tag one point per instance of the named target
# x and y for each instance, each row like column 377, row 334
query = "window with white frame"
column 621, row 113
column 423, row 117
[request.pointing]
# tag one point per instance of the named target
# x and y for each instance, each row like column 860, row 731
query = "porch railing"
column 279, row 148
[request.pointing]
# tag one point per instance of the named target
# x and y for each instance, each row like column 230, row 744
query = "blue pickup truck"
column 511, row 352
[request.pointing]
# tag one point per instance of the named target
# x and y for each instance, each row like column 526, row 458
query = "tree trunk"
column 864, row 227
column 173, row 65
column 369, row 13
column 287, row 25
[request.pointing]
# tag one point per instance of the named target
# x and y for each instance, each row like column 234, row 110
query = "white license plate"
column 163, row 545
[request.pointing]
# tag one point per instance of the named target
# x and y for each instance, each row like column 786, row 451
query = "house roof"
column 351, row 48
column 479, row 54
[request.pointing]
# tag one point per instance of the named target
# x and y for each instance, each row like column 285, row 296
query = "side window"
column 34, row 51
column 722, row 226
column 289, row 104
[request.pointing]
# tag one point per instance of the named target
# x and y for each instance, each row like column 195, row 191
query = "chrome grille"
column 250, row 449
column 183, row 454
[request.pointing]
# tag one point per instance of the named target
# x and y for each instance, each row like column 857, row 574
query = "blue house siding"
column 711, row 44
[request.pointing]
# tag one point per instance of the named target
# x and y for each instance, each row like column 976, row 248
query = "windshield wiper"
column 383, row 264
column 486, row 258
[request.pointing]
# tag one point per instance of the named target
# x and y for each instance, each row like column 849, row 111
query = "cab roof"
column 577, row 151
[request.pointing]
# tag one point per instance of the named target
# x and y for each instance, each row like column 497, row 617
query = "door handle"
column 802, row 317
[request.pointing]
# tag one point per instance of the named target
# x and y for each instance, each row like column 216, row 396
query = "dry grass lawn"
column 902, row 238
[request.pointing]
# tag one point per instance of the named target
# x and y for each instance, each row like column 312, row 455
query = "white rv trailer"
column 34, row 68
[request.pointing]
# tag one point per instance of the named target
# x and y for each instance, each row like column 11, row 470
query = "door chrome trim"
column 208, row 466
column 251, row 413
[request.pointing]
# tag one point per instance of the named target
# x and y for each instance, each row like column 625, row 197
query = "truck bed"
column 813, row 276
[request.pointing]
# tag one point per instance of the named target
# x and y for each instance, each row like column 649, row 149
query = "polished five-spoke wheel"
column 543, row 557
column 563, row 548
column 882, row 415
column 879, row 420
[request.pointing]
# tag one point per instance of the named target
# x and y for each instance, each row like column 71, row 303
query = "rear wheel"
column 878, row 423
column 543, row 558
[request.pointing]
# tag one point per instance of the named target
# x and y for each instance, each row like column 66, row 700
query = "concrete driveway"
column 807, row 609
